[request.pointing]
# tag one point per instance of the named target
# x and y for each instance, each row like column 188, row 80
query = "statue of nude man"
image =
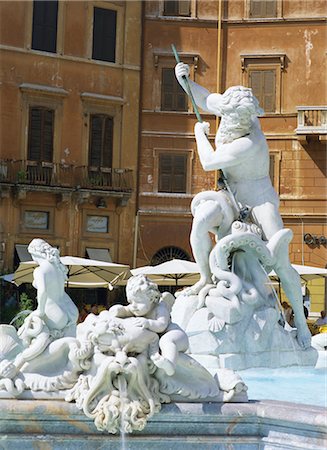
column 242, row 154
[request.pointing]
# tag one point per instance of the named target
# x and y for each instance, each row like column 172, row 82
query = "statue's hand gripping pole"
column 187, row 86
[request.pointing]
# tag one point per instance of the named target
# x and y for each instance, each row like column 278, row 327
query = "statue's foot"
column 303, row 337
column 195, row 289
column 163, row 363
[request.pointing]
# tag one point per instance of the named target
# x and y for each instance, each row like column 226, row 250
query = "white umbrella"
column 177, row 272
column 307, row 273
column 82, row 272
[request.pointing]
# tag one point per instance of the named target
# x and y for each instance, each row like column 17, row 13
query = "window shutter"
column 269, row 94
column 184, row 7
column 101, row 140
column 165, row 173
column 48, row 119
column 44, row 32
column 179, row 176
column 107, row 142
column 172, row 173
column 95, row 141
column 170, row 7
column 256, row 84
column 104, row 34
column 272, row 168
column 40, row 135
column 173, row 98
column 263, row 84
column 34, row 135
column 263, row 8
column 270, row 8
column 256, row 8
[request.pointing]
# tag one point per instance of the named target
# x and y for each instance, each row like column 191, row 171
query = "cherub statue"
column 150, row 311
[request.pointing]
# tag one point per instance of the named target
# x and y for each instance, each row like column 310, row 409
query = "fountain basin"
column 257, row 425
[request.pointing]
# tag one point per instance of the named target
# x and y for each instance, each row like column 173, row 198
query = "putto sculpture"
column 119, row 366
column 233, row 296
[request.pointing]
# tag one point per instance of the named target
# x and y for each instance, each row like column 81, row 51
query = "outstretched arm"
column 199, row 93
column 227, row 155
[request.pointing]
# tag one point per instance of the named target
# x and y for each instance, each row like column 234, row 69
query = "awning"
column 23, row 253
column 99, row 254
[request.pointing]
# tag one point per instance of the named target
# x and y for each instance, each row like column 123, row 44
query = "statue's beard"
column 232, row 128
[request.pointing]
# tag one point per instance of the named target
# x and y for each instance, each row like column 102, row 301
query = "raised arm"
column 199, row 93
column 227, row 155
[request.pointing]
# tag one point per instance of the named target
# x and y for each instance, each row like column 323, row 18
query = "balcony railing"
column 40, row 173
column 311, row 120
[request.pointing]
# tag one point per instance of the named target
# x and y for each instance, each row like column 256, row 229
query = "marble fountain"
column 164, row 372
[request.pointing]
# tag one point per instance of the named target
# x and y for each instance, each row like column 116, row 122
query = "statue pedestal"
column 57, row 425
column 258, row 340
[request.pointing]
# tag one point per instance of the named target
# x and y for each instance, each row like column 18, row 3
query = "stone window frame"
column 60, row 28
column 120, row 9
column 96, row 212
column 165, row 60
column 274, row 62
column 247, row 9
column 39, row 231
column 43, row 96
column 193, row 9
column 102, row 104
column 156, row 154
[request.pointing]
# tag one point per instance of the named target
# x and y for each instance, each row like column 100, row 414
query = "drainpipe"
column 137, row 217
column 218, row 74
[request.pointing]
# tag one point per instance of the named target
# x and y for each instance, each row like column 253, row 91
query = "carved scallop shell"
column 10, row 344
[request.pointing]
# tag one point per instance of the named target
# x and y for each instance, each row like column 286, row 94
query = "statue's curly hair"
column 140, row 284
column 41, row 248
column 240, row 99
column 238, row 107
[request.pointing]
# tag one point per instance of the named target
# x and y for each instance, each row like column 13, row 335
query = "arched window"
column 167, row 254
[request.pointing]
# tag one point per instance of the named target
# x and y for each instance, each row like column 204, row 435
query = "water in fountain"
column 122, row 387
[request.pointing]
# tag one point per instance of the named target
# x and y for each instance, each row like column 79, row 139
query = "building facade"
column 277, row 47
column 70, row 80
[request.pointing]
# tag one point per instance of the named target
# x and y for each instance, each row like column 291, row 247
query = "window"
column 172, row 173
column 167, row 254
column 36, row 219
column 104, row 34
column 173, row 98
column 263, row 84
column 44, row 31
column 263, row 8
column 264, row 73
column 97, row 224
column 40, row 134
column 101, row 140
column 177, row 8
